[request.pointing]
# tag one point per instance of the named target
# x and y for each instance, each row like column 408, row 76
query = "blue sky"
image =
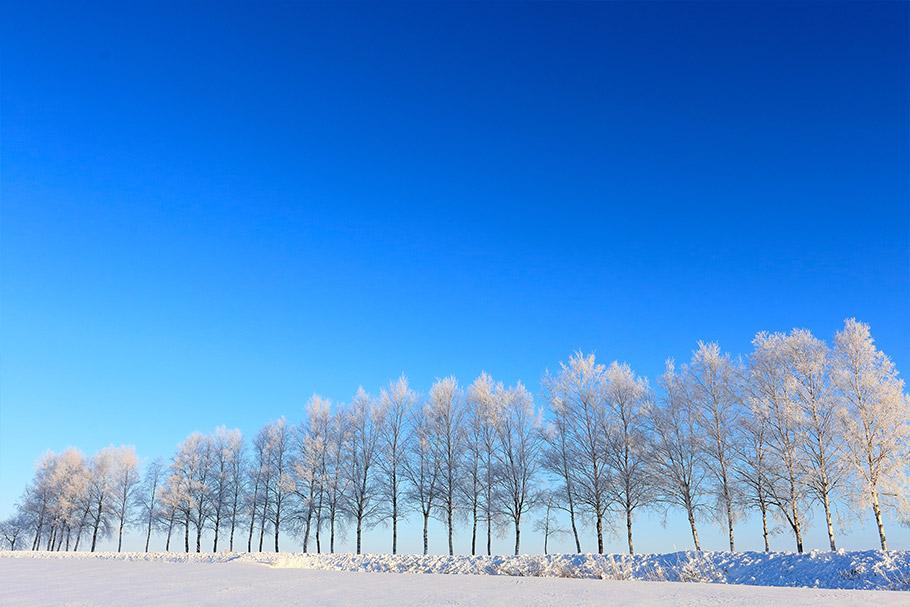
column 211, row 211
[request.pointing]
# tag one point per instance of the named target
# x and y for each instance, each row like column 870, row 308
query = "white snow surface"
column 40, row 579
column 865, row 570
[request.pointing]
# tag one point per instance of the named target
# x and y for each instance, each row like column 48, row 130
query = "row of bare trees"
column 794, row 428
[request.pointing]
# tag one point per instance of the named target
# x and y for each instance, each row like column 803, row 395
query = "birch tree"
column 582, row 388
column 447, row 413
column 102, row 485
column 875, row 422
column 396, row 403
column 810, row 366
column 715, row 394
column 126, row 477
column 365, row 427
column 628, row 397
column 422, row 465
column 771, row 390
column 518, row 427
column 676, row 454
column 146, row 497
column 481, row 489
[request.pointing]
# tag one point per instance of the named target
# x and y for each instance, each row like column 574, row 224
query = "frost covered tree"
column 308, row 467
column 770, row 389
column 226, row 474
column 125, row 478
column 335, row 482
column 423, row 465
column 146, row 497
column 560, row 456
column 518, row 430
column 481, row 487
column 235, row 455
column 396, row 404
column 714, row 382
column 12, row 529
column 753, row 464
column 447, row 415
column 629, row 399
column 677, row 458
column 362, row 461
column 810, row 365
column 581, row 388
column 875, row 422
column 102, row 484
column 279, row 481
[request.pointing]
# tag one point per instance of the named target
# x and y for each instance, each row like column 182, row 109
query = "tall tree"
column 876, row 422
column 102, row 485
column 482, row 487
column 582, row 386
column 423, row 465
column 810, row 366
column 364, row 451
column 308, row 467
column 146, row 497
column 715, row 393
column 629, row 399
column 126, row 477
column 518, row 427
column 770, row 389
column 396, row 404
column 560, row 457
column 447, row 410
column 677, row 459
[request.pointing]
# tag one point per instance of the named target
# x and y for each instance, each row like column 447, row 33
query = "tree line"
column 794, row 427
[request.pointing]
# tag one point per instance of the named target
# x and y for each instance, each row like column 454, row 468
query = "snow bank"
column 867, row 570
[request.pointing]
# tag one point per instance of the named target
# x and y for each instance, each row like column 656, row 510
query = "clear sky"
column 211, row 211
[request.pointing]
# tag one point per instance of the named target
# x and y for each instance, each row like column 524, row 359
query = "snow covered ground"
column 174, row 579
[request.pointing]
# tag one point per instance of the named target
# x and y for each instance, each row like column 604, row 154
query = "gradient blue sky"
column 211, row 211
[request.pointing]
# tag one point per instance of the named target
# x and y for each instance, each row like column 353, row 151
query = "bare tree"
column 715, row 394
column 876, row 422
column 335, row 480
column 560, row 457
column 548, row 525
column 520, row 443
column 677, row 459
column 752, row 463
column 39, row 495
column 102, row 484
column 365, row 427
column 582, row 390
column 629, row 399
column 280, row 482
column 770, row 388
column 146, row 497
column 396, row 404
column 13, row 528
column 423, row 466
column 126, row 477
column 810, row 366
column 308, row 467
column 235, row 448
column 447, row 411
column 481, row 488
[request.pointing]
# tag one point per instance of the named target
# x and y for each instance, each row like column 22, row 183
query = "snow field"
column 240, row 581
column 865, row 570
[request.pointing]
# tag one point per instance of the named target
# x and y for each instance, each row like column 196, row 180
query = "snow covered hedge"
column 866, row 570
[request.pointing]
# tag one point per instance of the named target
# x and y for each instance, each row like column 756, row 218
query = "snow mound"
column 865, row 570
